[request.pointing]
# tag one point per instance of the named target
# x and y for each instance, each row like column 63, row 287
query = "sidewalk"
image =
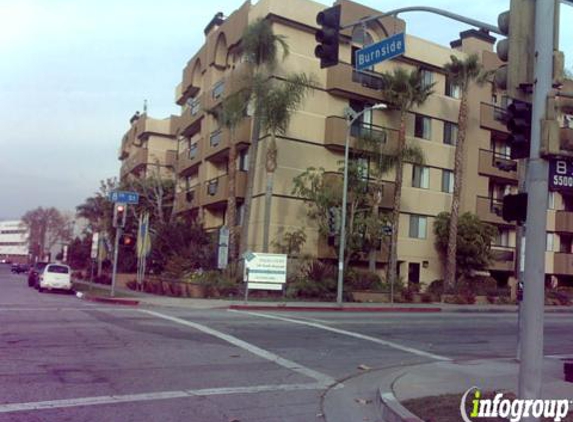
column 147, row 299
column 439, row 378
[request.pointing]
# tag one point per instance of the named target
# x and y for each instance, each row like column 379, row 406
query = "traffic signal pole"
column 118, row 233
column 530, row 371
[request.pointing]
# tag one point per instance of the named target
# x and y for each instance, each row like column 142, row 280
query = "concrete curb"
column 390, row 408
column 328, row 308
column 110, row 300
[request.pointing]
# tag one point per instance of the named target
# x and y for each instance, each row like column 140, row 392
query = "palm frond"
column 260, row 44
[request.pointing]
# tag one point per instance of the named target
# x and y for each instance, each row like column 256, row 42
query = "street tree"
column 322, row 193
column 381, row 159
column 474, row 239
column 461, row 73
column 402, row 90
column 280, row 103
column 261, row 48
column 47, row 227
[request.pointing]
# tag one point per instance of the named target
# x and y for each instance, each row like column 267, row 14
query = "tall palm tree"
column 261, row 50
column 460, row 73
column 281, row 101
column 402, row 90
column 382, row 160
column 234, row 110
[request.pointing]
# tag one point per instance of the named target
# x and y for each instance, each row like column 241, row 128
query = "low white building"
column 14, row 244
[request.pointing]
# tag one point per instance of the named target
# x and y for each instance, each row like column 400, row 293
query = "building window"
column 427, row 78
column 240, row 216
column 423, row 127
column 243, row 161
column 363, row 168
column 550, row 242
column 418, row 226
column 420, row 177
column 502, row 238
column 447, row 181
column 452, row 90
column 218, row 89
column 551, row 200
column 450, row 133
column 193, row 151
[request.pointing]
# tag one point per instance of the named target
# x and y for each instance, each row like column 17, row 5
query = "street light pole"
column 351, row 117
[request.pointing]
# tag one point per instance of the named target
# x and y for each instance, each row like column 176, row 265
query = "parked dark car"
column 19, row 268
column 34, row 273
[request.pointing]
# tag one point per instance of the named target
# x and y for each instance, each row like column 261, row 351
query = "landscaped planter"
column 366, row 296
column 195, row 290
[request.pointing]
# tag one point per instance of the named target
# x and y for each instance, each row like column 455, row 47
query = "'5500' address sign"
column 561, row 175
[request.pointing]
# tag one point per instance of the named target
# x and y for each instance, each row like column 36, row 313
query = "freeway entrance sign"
column 386, row 49
column 124, row 197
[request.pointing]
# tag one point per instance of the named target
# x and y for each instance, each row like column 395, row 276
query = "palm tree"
column 402, row 90
column 260, row 49
column 461, row 73
column 234, row 110
column 382, row 161
column 281, row 101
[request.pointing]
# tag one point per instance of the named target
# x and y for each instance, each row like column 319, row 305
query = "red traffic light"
column 127, row 240
column 120, row 208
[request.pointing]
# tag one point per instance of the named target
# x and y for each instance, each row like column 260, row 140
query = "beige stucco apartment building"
column 147, row 148
column 317, row 133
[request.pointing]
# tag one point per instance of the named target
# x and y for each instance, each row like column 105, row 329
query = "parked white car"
column 55, row 276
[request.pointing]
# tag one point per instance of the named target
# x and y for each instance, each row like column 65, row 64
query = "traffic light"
column 557, row 126
column 515, row 208
column 333, row 221
column 518, row 123
column 119, row 215
column 327, row 36
column 128, row 240
column 516, row 51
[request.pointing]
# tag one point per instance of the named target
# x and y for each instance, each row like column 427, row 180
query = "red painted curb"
column 329, row 309
column 127, row 302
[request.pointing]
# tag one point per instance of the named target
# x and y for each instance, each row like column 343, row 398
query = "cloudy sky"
column 72, row 72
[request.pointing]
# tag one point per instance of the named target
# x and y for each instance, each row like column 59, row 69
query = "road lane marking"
column 160, row 395
column 348, row 333
column 61, row 309
column 293, row 366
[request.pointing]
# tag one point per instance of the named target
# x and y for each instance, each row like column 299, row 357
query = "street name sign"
column 386, row 49
column 266, row 271
column 124, row 197
column 561, row 175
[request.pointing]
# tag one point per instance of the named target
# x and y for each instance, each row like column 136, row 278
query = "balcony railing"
column 369, row 130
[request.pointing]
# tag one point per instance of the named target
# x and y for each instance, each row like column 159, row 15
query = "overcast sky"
column 72, row 73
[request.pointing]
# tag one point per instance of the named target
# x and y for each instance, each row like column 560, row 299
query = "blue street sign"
column 124, row 197
column 386, row 49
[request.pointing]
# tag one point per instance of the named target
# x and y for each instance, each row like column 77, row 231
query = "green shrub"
column 557, row 297
column 103, row 279
column 361, row 280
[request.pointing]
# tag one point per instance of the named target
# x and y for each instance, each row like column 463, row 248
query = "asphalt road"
column 63, row 359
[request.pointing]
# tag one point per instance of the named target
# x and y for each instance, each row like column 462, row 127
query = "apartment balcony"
column 220, row 140
column 492, row 117
column 190, row 158
column 216, row 191
column 564, row 222
column 188, row 122
column 343, row 80
column 562, row 263
column 215, row 95
column 489, row 210
column 386, row 189
column 503, row 258
column 138, row 158
column 497, row 165
column 335, row 134
column 566, row 138
column 188, row 200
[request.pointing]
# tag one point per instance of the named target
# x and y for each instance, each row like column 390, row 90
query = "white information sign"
column 95, row 245
column 266, row 271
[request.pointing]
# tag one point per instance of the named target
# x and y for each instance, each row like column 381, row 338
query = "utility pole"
column 530, row 371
